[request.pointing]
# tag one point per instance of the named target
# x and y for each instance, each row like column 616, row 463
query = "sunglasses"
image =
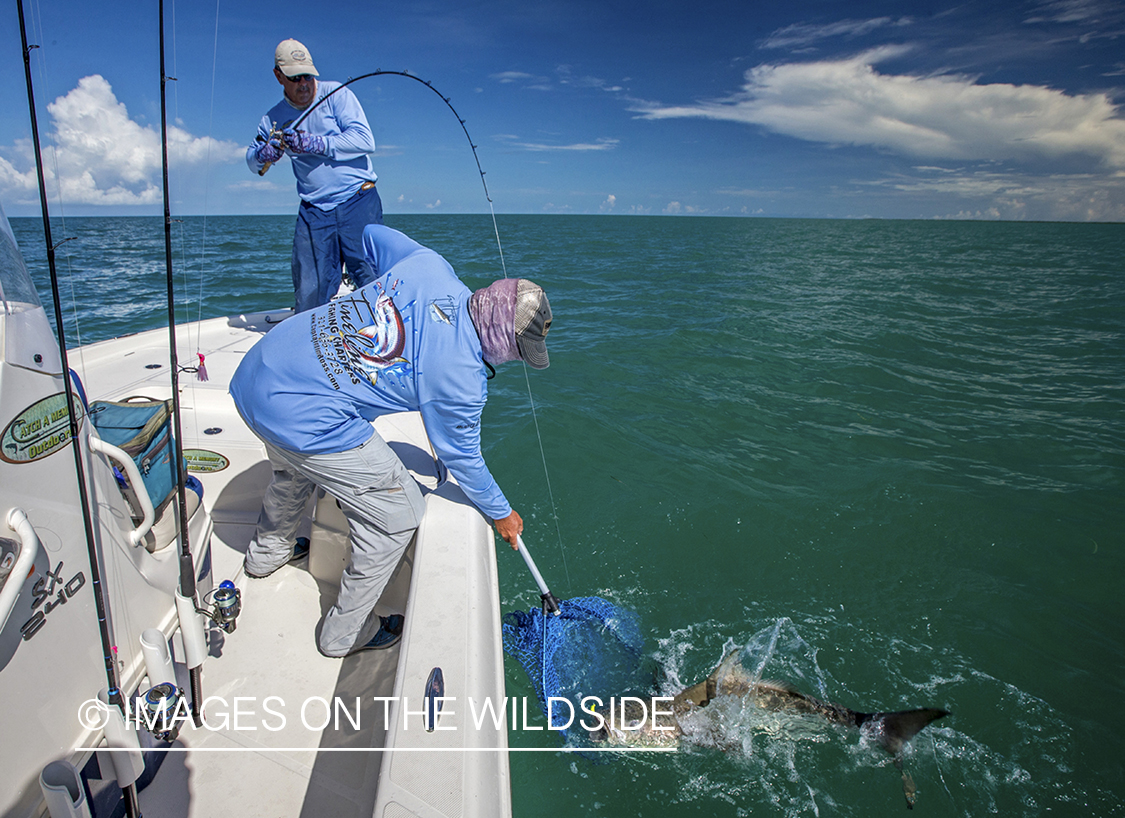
column 299, row 78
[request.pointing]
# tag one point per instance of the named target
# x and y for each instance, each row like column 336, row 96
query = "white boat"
column 263, row 747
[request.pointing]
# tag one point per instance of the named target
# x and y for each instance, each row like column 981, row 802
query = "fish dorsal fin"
column 730, row 677
column 724, row 669
column 701, row 693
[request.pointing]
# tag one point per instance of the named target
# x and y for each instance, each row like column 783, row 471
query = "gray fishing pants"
column 383, row 505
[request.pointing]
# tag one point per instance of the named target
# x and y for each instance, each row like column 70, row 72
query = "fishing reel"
column 227, row 606
column 162, row 711
column 275, row 133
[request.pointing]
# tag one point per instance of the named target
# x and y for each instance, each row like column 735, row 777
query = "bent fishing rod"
column 381, row 73
column 116, row 699
column 549, row 600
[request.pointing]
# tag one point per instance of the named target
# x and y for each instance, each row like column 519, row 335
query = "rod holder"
column 63, row 792
column 158, row 661
column 127, row 763
column 192, row 630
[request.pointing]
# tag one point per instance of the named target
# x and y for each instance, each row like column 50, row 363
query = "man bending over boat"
column 415, row 339
column 331, row 157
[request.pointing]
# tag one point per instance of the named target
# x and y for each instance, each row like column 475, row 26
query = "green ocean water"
column 886, row 457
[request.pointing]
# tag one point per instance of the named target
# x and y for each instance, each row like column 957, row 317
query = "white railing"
column 136, row 482
column 29, row 548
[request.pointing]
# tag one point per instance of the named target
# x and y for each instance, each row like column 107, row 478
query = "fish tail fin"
column 894, row 730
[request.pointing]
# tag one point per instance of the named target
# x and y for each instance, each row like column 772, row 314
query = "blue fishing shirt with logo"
column 405, row 342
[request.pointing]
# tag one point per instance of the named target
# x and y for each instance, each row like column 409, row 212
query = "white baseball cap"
column 293, row 59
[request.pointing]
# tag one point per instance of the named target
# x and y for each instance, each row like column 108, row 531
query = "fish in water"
column 637, row 725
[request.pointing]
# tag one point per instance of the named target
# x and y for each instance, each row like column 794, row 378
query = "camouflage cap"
column 533, row 319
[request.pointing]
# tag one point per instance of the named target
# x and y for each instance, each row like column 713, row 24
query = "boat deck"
column 265, row 749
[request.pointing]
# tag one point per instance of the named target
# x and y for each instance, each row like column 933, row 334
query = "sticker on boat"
column 204, row 461
column 38, row 431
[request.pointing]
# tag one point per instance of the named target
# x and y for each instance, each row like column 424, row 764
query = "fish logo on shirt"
column 378, row 345
column 443, row 310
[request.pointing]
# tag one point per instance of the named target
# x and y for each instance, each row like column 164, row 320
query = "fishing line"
column 199, row 370
column 210, row 142
column 937, row 763
column 547, row 475
column 41, row 60
column 185, row 267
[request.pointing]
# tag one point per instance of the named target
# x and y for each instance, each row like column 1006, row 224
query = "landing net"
column 592, row 648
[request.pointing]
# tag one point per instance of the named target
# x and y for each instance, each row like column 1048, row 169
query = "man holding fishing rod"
column 415, row 339
column 327, row 138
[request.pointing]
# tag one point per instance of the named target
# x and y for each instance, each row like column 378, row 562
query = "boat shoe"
column 390, row 631
column 300, row 551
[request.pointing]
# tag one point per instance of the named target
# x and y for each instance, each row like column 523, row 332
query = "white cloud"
column 535, row 83
column 602, row 144
column 804, row 34
column 1072, row 11
column 943, row 117
column 608, row 204
column 103, row 157
column 507, row 77
column 999, row 194
column 258, row 185
column 567, row 77
column 675, row 208
column 992, row 214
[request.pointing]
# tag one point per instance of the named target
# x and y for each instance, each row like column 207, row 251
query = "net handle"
column 550, row 603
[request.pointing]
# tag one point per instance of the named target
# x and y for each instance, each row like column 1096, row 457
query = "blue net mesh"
column 592, row 648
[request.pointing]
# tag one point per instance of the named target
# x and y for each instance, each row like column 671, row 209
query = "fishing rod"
column 116, row 699
column 381, row 73
column 185, row 602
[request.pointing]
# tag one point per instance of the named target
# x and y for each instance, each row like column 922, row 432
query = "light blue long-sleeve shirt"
column 405, row 342
column 325, row 180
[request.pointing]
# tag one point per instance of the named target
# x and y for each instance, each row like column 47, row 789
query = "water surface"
column 887, row 456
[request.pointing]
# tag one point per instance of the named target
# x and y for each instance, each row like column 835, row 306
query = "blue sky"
column 803, row 108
